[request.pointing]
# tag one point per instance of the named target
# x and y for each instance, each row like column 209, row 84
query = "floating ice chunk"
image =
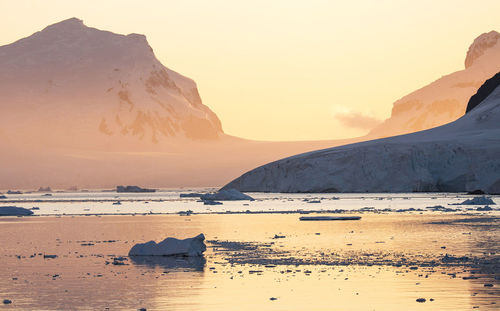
column 483, row 209
column 190, row 195
column 321, row 218
column 211, row 202
column 14, row 192
column 14, row 211
column 171, row 247
column 483, row 200
column 226, row 195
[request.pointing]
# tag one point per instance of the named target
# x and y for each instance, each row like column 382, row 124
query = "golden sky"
column 286, row 70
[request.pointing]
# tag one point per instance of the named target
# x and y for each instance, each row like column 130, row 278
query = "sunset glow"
column 286, row 70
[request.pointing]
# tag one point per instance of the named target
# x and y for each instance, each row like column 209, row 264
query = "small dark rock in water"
column 118, row 263
column 449, row 258
column 7, row 301
column 273, row 298
column 488, row 285
column 421, row 300
column 477, row 191
column 49, row 256
column 432, row 299
column 142, row 309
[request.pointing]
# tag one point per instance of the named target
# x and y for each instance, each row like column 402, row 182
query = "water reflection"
column 170, row 262
column 80, row 275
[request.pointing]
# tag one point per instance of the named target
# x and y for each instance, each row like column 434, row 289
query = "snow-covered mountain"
column 71, row 83
column 445, row 99
column 90, row 108
column 459, row 156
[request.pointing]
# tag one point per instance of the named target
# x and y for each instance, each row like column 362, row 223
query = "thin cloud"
column 357, row 120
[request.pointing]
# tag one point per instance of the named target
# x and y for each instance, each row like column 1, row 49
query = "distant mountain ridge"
column 92, row 83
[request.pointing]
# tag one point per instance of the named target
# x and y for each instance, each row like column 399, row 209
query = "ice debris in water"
column 483, row 200
column 226, row 195
column 171, row 247
column 190, row 195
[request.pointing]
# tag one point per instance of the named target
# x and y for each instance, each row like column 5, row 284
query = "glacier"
column 456, row 157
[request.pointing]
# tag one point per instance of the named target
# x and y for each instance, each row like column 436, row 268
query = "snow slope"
column 459, row 156
column 70, row 82
column 445, row 99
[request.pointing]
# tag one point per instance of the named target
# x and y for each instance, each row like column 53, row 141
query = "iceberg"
column 14, row 211
column 133, row 189
column 483, row 200
column 171, row 247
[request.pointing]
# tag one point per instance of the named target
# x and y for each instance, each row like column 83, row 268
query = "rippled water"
column 385, row 261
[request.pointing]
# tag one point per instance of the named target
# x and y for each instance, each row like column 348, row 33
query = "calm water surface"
column 385, row 261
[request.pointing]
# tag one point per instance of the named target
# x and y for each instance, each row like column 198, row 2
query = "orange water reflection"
column 79, row 277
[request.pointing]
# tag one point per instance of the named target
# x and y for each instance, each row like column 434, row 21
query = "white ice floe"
column 226, row 195
column 14, row 211
column 190, row 195
column 171, row 247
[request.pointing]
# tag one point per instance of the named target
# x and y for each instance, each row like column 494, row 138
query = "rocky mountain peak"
column 108, row 86
column 480, row 45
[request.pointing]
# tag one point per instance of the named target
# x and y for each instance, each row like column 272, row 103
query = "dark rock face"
column 133, row 189
column 484, row 91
